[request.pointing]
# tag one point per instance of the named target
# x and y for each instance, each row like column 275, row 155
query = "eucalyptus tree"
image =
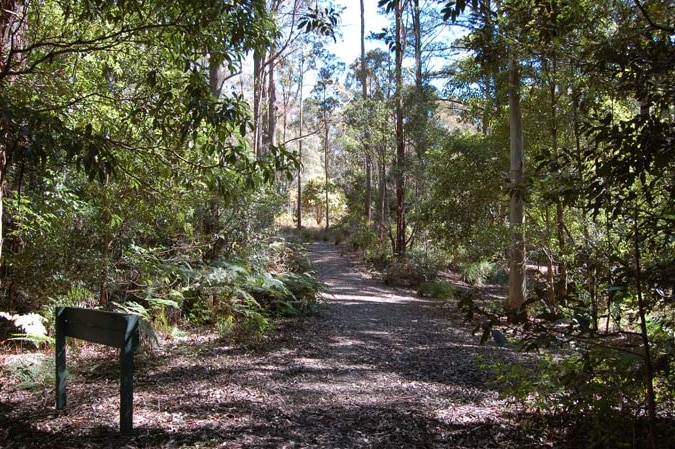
column 293, row 19
column 326, row 99
column 399, row 171
column 374, row 115
column 414, row 39
column 545, row 38
column 514, row 30
column 295, row 69
column 364, row 95
column 397, row 44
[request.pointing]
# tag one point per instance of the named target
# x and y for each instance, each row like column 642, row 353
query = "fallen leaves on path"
column 373, row 368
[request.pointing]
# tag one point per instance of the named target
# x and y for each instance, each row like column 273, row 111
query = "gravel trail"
column 375, row 367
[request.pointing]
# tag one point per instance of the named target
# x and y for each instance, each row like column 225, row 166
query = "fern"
column 145, row 328
column 32, row 325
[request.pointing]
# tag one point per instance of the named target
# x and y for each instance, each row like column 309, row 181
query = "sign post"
column 108, row 328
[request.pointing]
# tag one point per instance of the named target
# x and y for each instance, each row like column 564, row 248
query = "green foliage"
column 436, row 290
column 33, row 373
column 120, row 93
column 314, row 199
column 464, row 210
column 244, row 297
column 322, row 21
column 411, row 272
column 429, row 260
column 32, row 326
column 304, row 292
column 479, row 273
column 152, row 315
column 597, row 390
column 360, row 236
column 379, row 254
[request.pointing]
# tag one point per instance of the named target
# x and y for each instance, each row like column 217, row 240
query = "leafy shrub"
column 304, row 288
column 402, row 273
column 428, row 261
column 151, row 316
column 379, row 254
column 418, row 267
column 436, row 290
column 361, row 237
column 595, row 393
column 499, row 276
column 282, row 255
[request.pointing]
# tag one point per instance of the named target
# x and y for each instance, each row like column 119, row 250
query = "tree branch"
column 650, row 21
column 300, row 137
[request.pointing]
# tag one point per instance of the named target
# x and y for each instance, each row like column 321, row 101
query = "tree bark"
column 399, row 172
column 517, row 280
column 642, row 311
column 382, row 201
column 271, row 135
column 258, row 74
column 364, row 93
column 300, row 118
column 216, row 78
column 417, row 31
column 560, row 290
column 325, row 168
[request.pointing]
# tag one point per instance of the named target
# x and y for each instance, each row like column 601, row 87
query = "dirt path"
column 375, row 368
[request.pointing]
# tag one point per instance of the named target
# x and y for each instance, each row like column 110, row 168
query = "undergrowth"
column 437, row 290
column 586, row 386
column 239, row 297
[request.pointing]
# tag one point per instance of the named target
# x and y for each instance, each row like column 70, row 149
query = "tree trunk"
column 399, row 172
column 325, row 168
column 382, row 201
column 517, row 283
column 271, row 135
column 300, row 92
column 9, row 34
column 642, row 311
column 364, row 93
column 216, row 78
column 107, row 241
column 258, row 75
column 561, row 288
column 417, row 31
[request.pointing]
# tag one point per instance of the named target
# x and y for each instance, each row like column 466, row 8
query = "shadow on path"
column 374, row 368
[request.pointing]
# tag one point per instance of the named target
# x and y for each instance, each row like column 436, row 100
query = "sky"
column 348, row 47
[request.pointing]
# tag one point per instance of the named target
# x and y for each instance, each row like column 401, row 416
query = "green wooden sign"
column 108, row 328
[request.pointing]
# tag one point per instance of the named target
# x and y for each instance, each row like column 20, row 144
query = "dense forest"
column 169, row 159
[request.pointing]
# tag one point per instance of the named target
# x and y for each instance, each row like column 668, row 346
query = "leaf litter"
column 374, row 367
